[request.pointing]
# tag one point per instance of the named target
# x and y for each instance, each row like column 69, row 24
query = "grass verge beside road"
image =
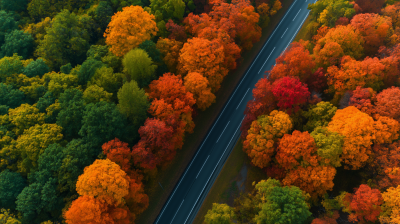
column 168, row 176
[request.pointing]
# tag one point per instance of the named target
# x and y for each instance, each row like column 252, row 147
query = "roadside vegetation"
column 323, row 126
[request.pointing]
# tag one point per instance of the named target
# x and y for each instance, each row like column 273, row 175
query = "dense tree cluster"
column 96, row 96
column 328, row 107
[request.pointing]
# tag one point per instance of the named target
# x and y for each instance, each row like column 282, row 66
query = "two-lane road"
column 188, row 195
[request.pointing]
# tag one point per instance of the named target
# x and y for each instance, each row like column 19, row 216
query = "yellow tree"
column 198, row 86
column 359, row 131
column 263, row 135
column 391, row 206
column 129, row 28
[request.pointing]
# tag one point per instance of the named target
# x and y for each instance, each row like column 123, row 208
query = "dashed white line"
column 284, row 33
column 213, row 171
column 202, row 166
column 297, row 30
column 177, row 211
column 266, row 60
column 223, row 131
column 296, row 15
column 242, row 98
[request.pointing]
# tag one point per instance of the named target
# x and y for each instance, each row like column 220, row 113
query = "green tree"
column 219, row 214
column 57, row 83
column 36, row 68
column 102, row 14
column 102, row 122
column 155, row 55
column 10, row 65
column 94, row 94
column 67, row 40
column 11, row 185
column 11, row 97
column 97, row 52
column 329, row 145
column 16, row 5
column 39, row 9
column 70, row 116
column 33, row 142
column 45, row 101
column 326, row 12
column 281, row 205
column 66, row 69
column 319, row 115
column 133, row 103
column 7, row 24
column 17, row 41
column 167, row 9
column 138, row 66
column 108, row 80
column 87, row 70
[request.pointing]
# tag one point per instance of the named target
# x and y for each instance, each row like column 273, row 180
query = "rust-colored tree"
column 290, row 94
column 205, row 57
column 295, row 61
column 385, row 165
column 263, row 102
column 387, row 103
column 129, row 28
column 392, row 11
column 177, row 32
column 154, row 146
column 317, row 82
column 366, row 73
column 373, row 28
column 363, row 99
column 87, row 209
column 315, row 180
column 387, row 130
column 297, row 149
column 365, row 204
column 170, row 51
column 370, row 6
column 262, row 137
column 198, row 86
column 169, row 92
column 359, row 131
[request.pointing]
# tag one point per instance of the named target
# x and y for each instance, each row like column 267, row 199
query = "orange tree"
column 262, row 137
column 129, row 28
column 359, row 132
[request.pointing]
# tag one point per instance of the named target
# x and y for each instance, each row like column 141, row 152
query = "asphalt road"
column 188, row 195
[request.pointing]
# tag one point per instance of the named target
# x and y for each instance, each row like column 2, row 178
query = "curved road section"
column 188, row 195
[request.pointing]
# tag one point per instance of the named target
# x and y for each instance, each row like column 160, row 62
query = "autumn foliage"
column 295, row 61
column 262, row 137
column 129, row 28
column 290, row 94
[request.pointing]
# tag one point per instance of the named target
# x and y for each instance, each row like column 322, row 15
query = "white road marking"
column 158, row 218
column 213, row 171
column 284, row 33
column 266, row 60
column 202, row 166
column 223, row 131
column 177, row 211
column 242, row 98
column 296, row 15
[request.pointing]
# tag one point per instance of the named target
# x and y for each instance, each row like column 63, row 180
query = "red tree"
column 387, row 103
column 177, row 32
column 317, row 82
column 370, row 6
column 155, row 145
column 362, row 99
column 290, row 94
column 366, row 204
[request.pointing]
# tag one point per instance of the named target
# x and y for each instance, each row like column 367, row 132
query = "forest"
column 327, row 113
column 96, row 95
